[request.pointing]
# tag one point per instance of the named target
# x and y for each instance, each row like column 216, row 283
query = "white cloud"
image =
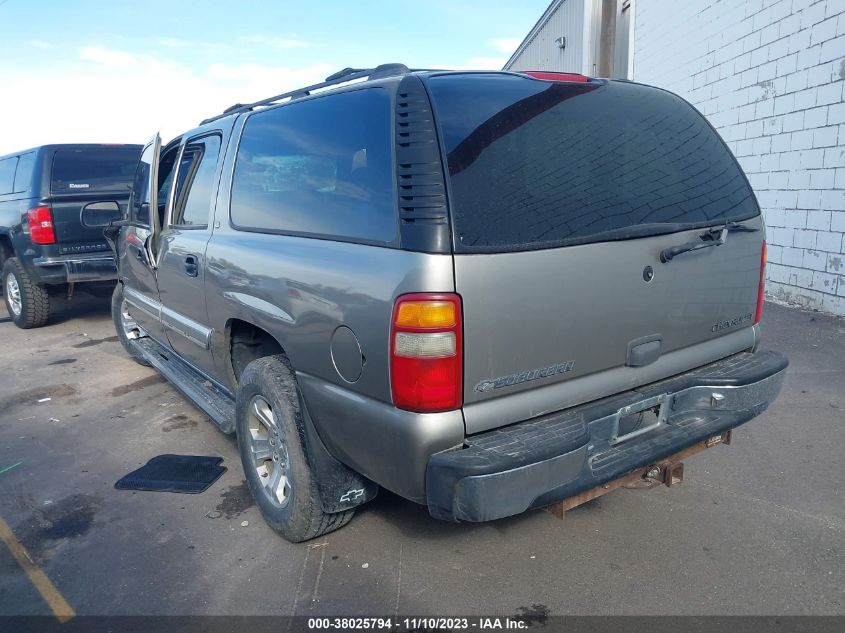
column 174, row 42
column 275, row 42
column 40, row 44
column 257, row 81
column 115, row 96
column 506, row 44
column 488, row 63
column 109, row 58
column 477, row 63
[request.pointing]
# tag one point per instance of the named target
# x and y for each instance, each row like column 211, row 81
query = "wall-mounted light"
column 561, row 42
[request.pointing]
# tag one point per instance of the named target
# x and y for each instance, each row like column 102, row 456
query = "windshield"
column 536, row 164
column 94, row 169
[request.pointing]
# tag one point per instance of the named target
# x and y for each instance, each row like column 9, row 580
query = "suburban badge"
column 525, row 376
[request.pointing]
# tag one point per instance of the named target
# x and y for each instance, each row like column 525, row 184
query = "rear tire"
column 125, row 326
column 27, row 302
column 269, row 423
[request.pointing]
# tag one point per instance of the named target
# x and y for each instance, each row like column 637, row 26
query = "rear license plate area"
column 638, row 418
column 631, row 422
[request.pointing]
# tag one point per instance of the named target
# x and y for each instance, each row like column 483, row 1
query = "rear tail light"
column 41, row 230
column 426, row 352
column 761, row 288
column 539, row 74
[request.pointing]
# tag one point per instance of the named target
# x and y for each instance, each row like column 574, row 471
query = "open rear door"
column 136, row 256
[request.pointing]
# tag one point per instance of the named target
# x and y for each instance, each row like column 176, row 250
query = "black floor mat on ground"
column 174, row 473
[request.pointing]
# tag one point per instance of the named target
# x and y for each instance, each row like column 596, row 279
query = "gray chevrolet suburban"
column 484, row 291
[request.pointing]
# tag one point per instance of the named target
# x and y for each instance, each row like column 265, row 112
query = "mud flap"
column 341, row 488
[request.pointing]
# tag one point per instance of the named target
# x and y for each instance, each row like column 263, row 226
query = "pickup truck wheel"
column 27, row 302
column 268, row 420
column 126, row 327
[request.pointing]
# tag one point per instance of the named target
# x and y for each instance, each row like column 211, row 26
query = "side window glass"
column 166, row 172
column 7, row 174
column 195, row 182
column 319, row 167
column 23, row 176
column 165, row 175
column 139, row 202
column 185, row 166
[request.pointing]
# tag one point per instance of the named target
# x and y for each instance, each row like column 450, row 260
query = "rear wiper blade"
column 715, row 236
column 635, row 231
column 651, row 229
column 738, row 226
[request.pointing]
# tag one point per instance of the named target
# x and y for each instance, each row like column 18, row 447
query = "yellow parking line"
column 61, row 609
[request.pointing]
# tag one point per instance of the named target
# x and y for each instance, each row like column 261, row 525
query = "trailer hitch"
column 668, row 472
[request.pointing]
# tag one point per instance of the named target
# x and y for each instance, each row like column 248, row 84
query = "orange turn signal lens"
column 427, row 314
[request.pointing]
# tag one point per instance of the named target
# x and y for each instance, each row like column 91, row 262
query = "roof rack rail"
column 341, row 76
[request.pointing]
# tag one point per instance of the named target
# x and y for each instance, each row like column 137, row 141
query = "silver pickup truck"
column 484, row 291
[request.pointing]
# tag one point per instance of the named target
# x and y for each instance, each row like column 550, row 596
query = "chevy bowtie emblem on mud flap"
column 525, row 376
column 352, row 495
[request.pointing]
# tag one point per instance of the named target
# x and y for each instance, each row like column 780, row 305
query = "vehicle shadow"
column 81, row 305
column 415, row 522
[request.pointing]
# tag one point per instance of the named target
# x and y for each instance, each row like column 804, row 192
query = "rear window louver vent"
column 423, row 213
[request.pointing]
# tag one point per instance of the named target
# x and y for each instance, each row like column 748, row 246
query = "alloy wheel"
column 13, row 293
column 269, row 451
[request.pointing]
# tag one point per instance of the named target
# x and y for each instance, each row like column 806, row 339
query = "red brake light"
column 426, row 352
column 547, row 76
column 761, row 288
column 41, row 230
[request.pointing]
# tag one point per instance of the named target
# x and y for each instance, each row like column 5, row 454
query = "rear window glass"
column 320, row 167
column 94, row 169
column 535, row 164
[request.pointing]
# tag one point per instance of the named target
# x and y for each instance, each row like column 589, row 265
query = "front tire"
column 27, row 302
column 268, row 421
column 125, row 325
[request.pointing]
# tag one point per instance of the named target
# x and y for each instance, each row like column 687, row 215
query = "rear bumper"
column 540, row 461
column 75, row 268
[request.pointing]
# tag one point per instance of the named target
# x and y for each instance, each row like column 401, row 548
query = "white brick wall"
column 769, row 75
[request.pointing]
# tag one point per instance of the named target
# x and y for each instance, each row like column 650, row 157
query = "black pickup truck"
column 54, row 202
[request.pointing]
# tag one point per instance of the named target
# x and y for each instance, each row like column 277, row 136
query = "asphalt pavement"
column 757, row 527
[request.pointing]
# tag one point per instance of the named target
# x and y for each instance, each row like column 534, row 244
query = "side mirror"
column 111, row 233
column 99, row 214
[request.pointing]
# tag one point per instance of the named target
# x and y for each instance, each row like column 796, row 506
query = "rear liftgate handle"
column 715, row 236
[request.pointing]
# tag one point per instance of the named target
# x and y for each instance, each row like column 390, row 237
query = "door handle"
column 141, row 254
column 191, row 265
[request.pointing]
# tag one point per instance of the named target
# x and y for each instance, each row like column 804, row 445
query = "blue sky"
column 116, row 71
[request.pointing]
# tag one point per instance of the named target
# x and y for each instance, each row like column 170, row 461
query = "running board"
column 212, row 400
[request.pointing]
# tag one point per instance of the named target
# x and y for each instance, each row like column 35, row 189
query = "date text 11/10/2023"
column 417, row 623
